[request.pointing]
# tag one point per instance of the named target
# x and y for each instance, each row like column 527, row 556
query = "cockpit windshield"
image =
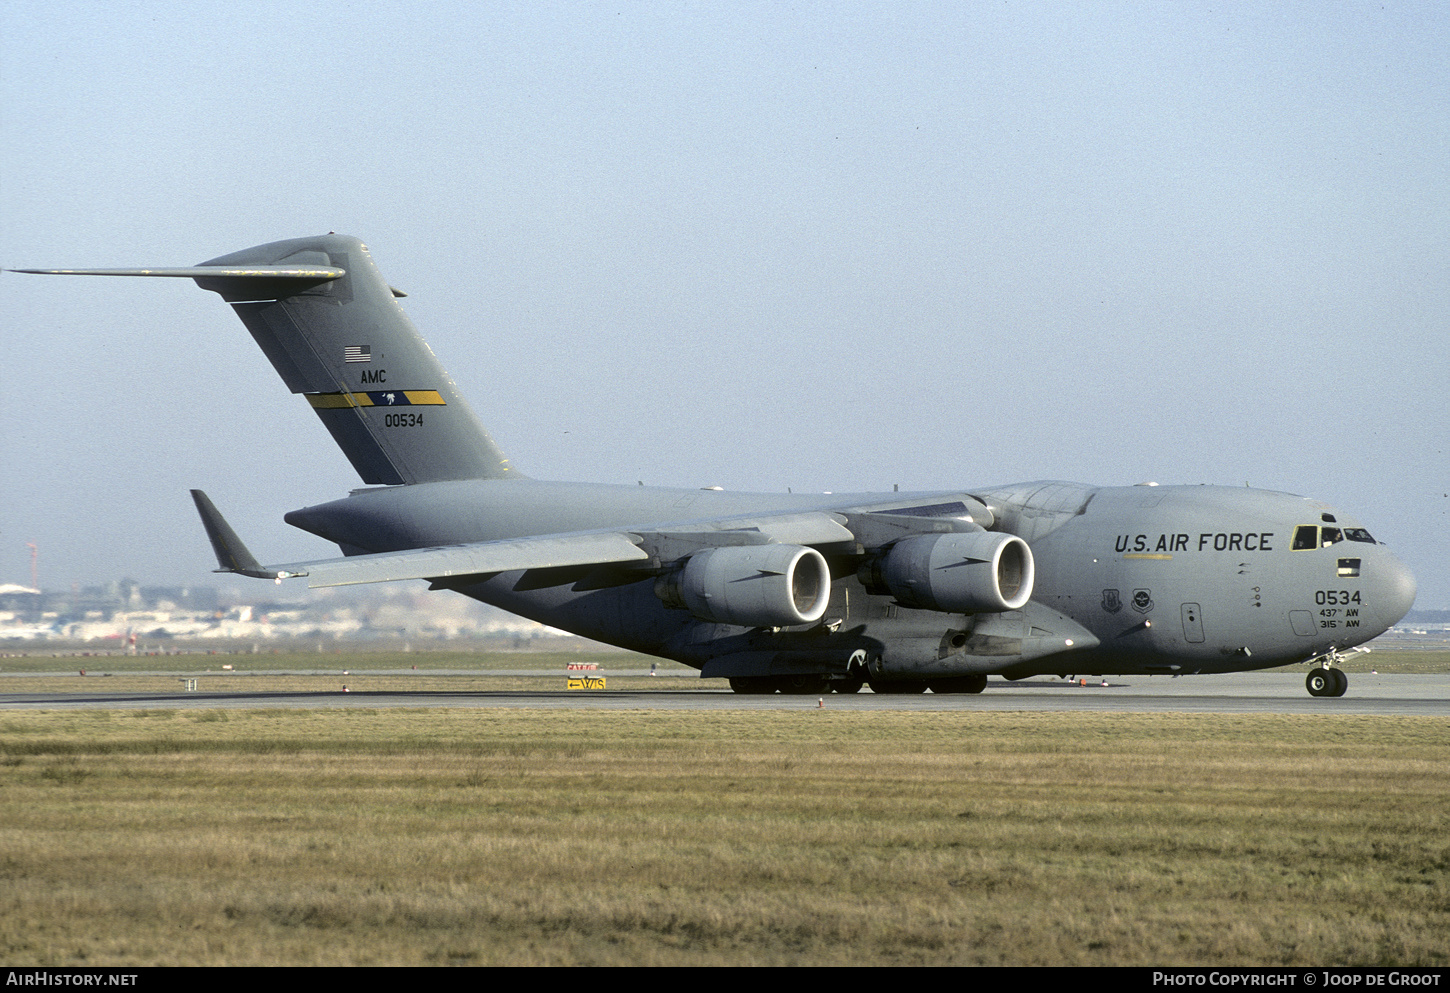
column 1314, row 536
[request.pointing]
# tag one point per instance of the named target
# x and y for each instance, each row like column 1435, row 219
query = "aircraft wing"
column 486, row 557
column 511, row 554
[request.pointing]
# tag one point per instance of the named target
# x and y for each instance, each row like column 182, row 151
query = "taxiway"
column 1239, row 693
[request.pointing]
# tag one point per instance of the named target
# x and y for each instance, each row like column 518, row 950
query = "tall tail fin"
column 331, row 327
column 348, row 346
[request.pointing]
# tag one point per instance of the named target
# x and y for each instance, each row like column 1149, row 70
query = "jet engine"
column 960, row 573
column 751, row 585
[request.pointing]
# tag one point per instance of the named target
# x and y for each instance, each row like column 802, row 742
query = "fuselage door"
column 1192, row 623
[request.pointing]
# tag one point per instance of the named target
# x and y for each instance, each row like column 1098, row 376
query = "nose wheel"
column 1326, row 682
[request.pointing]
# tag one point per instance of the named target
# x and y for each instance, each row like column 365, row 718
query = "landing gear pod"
column 964, row 573
column 753, row 585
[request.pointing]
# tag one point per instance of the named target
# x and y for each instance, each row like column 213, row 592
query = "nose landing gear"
column 1326, row 682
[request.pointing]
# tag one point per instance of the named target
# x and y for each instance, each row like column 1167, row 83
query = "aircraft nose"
column 1394, row 590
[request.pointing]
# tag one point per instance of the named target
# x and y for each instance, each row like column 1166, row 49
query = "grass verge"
column 787, row 837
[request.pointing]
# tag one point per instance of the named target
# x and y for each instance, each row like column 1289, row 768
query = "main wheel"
column 847, row 685
column 1321, row 683
column 1341, row 682
column 803, row 685
column 752, row 684
column 959, row 684
column 898, row 686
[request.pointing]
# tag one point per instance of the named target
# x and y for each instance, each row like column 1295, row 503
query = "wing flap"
column 674, row 542
column 559, row 550
column 546, row 552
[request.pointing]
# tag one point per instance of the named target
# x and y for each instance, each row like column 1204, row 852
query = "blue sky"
column 831, row 246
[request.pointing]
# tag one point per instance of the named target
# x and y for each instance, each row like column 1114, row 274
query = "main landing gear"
column 942, row 684
column 802, row 685
column 810, row 685
column 1326, row 682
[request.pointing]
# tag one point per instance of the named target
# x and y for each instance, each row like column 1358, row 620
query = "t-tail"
column 333, row 330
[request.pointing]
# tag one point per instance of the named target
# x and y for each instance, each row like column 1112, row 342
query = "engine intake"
column 961, row 573
column 751, row 585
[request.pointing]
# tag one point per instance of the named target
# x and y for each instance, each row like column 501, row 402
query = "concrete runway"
column 1238, row 693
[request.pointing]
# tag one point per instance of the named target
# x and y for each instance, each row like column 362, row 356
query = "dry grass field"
column 784, row 837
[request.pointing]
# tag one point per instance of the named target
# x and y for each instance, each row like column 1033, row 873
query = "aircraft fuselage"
column 1136, row 579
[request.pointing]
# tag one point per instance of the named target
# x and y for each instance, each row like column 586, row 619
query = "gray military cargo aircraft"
column 783, row 592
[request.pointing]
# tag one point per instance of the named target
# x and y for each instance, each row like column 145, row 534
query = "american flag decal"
column 357, row 353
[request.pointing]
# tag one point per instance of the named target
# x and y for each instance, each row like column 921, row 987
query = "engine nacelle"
column 960, row 573
column 751, row 585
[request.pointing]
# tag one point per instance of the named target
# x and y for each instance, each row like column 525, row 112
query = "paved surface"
column 1241, row 693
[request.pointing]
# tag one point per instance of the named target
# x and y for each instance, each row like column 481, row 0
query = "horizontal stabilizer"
column 257, row 282
column 319, row 273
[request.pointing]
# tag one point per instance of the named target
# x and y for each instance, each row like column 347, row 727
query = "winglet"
column 231, row 554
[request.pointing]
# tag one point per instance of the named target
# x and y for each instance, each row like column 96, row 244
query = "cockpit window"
column 1313, row 536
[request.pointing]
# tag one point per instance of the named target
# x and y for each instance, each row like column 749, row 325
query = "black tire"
column 898, row 686
column 753, row 685
column 803, row 685
column 1319, row 682
column 1341, row 682
column 959, row 684
column 847, row 685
